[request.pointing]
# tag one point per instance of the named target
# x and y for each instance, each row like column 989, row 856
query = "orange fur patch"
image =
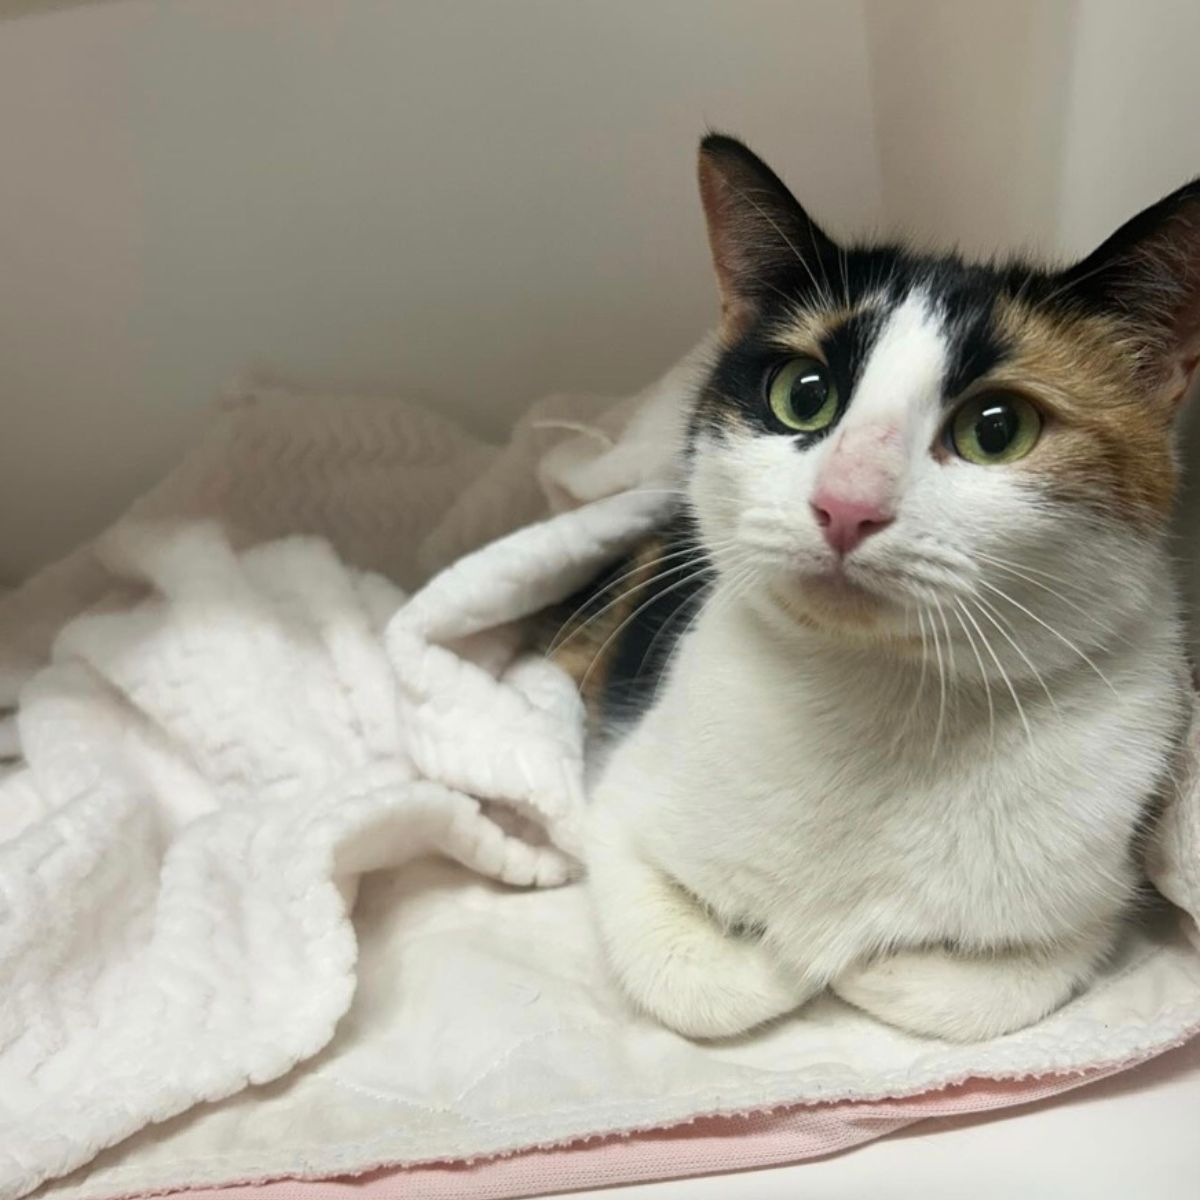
column 807, row 328
column 582, row 636
column 1107, row 438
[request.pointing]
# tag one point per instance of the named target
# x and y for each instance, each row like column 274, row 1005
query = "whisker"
column 951, row 665
column 1012, row 691
column 1023, row 288
column 937, row 649
column 843, row 261
column 710, row 588
column 735, row 589
column 821, row 259
column 1008, row 567
column 987, row 686
column 1005, row 562
column 636, row 612
column 672, row 617
column 762, row 212
column 694, row 548
column 992, row 613
column 1070, row 283
column 945, row 625
column 1050, row 629
column 702, row 599
column 563, row 636
column 924, row 658
column 654, row 491
column 913, row 708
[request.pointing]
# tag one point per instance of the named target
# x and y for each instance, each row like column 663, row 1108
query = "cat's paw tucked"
column 960, row 999
column 673, row 959
column 706, row 984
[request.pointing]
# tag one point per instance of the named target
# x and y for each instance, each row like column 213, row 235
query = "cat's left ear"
column 1147, row 274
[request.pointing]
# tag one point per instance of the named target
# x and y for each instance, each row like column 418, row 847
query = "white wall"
column 475, row 201
column 468, row 201
column 1132, row 120
column 1132, row 134
column 970, row 103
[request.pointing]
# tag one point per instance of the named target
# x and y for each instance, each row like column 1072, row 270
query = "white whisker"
column 919, row 690
column 1020, row 573
column 945, row 625
column 992, row 613
column 1050, row 629
column 787, row 241
column 1012, row 691
column 671, row 619
column 636, row 612
column 941, row 717
column 987, row 686
column 569, row 630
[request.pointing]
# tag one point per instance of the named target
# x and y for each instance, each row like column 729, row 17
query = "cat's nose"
column 846, row 523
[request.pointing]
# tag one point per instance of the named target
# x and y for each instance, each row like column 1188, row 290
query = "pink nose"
column 846, row 523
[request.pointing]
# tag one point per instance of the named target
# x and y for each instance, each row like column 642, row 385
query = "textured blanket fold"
column 227, row 712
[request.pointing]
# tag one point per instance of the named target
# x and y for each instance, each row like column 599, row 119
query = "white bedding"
column 240, row 728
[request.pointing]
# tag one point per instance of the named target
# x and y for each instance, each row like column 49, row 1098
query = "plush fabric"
column 281, row 845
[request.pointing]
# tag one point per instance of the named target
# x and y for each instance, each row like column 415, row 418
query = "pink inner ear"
column 1183, row 377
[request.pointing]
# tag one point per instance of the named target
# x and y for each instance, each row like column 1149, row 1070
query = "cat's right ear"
column 1147, row 275
column 763, row 242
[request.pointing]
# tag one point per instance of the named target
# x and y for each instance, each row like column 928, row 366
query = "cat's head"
column 893, row 443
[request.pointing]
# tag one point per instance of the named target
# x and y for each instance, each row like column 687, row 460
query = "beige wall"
column 468, row 201
column 1132, row 134
column 969, row 101
column 1132, row 122
column 475, row 201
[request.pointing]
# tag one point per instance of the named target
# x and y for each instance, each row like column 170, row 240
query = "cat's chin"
column 834, row 603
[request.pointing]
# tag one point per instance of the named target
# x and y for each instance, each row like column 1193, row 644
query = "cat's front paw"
column 673, row 959
column 714, row 986
column 958, row 998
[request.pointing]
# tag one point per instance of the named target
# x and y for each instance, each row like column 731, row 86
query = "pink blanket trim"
column 705, row 1146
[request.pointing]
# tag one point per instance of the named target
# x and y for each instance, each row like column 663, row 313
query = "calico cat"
column 900, row 683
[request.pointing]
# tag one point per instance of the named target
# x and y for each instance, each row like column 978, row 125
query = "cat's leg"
column 672, row 958
column 968, row 998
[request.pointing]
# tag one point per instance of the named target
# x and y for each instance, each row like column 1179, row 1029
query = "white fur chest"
column 810, row 792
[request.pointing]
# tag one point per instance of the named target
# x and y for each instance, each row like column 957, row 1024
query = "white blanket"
column 242, row 724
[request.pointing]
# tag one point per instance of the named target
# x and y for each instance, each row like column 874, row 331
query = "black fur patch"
column 616, row 636
column 648, row 641
column 870, row 284
column 848, row 346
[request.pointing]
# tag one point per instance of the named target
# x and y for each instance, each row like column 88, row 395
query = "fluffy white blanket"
column 223, row 737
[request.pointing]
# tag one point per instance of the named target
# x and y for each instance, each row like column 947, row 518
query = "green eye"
column 994, row 429
column 801, row 395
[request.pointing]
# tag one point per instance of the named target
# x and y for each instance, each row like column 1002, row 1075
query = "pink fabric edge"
column 705, row 1146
